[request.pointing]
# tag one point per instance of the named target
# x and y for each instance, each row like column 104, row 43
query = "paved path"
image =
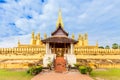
column 71, row 75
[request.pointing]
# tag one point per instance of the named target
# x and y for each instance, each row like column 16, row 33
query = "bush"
column 49, row 66
column 89, row 69
column 77, row 65
column 34, row 70
column 83, row 69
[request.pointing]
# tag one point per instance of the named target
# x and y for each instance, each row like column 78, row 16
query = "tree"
column 107, row 47
column 101, row 47
column 115, row 46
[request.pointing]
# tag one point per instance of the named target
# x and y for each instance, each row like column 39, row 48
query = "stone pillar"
column 72, row 48
column 47, row 48
column 68, row 50
column 50, row 50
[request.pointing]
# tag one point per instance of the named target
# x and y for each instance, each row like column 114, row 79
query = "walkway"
column 71, row 75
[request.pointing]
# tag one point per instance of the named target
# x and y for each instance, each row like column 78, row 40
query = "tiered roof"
column 59, row 35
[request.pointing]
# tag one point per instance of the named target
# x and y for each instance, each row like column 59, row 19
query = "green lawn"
column 14, row 75
column 107, row 74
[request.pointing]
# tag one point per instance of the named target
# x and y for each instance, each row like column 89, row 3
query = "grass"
column 14, row 75
column 108, row 74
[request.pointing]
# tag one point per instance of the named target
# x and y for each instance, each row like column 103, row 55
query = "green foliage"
column 35, row 70
column 107, row 47
column 101, row 47
column 83, row 69
column 49, row 65
column 115, row 46
column 89, row 69
column 77, row 65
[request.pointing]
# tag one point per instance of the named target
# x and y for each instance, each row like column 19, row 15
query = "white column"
column 72, row 48
column 68, row 50
column 50, row 50
column 47, row 48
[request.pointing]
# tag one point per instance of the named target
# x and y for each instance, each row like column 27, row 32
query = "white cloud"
column 97, row 17
column 13, row 40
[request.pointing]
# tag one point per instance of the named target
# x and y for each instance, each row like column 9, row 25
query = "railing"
column 79, row 51
column 108, row 65
column 22, row 50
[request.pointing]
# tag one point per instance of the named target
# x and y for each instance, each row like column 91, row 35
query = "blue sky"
column 99, row 18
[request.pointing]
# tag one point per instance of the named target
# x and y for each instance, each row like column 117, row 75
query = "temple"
column 59, row 46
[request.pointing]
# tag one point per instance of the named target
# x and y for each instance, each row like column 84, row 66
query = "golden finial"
column 73, row 36
column 18, row 42
column 59, row 21
column 80, row 37
column 97, row 43
column 38, row 36
column 86, row 36
column 32, row 34
column 45, row 36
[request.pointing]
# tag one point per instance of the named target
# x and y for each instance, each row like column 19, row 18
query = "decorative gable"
column 59, row 32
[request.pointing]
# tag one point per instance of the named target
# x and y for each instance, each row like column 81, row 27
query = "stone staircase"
column 60, row 64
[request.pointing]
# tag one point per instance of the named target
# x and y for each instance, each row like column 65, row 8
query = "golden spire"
column 38, row 36
column 80, row 37
column 73, row 36
column 32, row 34
column 97, row 43
column 86, row 36
column 45, row 36
column 59, row 21
column 18, row 42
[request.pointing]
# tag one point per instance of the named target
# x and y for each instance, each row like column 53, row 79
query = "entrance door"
column 59, row 48
column 60, row 52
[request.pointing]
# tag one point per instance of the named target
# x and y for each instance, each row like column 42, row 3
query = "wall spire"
column 73, row 36
column 59, row 21
column 97, row 43
column 18, row 42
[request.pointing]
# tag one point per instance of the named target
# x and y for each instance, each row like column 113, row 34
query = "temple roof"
column 59, row 40
column 59, row 27
column 59, row 31
column 59, row 35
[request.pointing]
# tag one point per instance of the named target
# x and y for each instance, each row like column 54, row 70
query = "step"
column 60, row 64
